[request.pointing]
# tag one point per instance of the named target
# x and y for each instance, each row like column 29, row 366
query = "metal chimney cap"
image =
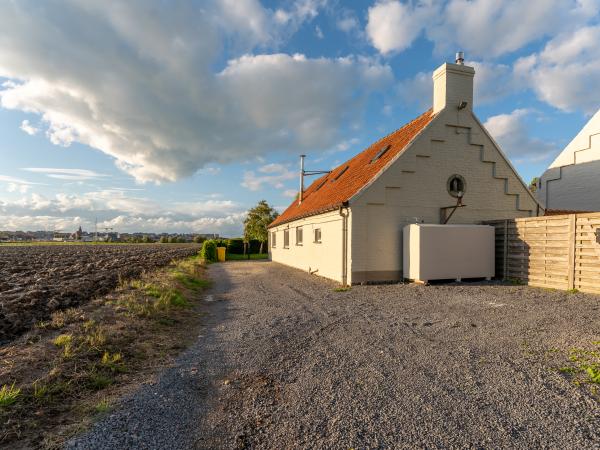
column 460, row 58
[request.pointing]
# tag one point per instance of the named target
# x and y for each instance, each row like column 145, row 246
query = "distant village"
column 105, row 236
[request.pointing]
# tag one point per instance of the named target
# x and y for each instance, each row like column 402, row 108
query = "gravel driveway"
column 286, row 362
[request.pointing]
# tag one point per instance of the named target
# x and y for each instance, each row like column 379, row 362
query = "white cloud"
column 347, row 22
column 121, row 211
column 510, row 132
column 28, row 128
column 300, row 12
column 137, row 80
column 482, row 28
column 14, row 184
column 393, row 26
column 275, row 175
column 66, row 174
column 290, row 193
column 347, row 144
column 319, row 32
column 565, row 73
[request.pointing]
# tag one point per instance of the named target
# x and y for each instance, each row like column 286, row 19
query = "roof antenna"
column 460, row 58
column 306, row 173
column 301, row 193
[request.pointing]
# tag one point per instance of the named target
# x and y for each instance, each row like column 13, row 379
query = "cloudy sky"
column 157, row 115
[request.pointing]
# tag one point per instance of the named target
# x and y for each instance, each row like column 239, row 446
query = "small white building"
column 348, row 224
column 572, row 182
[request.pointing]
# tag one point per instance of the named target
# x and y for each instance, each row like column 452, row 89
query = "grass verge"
column 68, row 371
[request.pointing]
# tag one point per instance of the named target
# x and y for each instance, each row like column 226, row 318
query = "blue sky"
column 178, row 116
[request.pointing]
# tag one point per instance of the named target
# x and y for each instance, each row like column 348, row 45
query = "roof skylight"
column 341, row 173
column 380, row 153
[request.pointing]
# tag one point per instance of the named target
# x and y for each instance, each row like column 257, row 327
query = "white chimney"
column 453, row 85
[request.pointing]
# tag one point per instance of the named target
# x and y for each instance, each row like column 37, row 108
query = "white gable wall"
column 414, row 188
column 572, row 182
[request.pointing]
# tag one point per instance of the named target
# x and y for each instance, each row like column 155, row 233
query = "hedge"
column 209, row 251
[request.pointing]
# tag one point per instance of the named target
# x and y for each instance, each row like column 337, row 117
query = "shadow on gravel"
column 166, row 413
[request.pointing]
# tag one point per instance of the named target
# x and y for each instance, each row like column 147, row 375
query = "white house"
column 572, row 182
column 347, row 225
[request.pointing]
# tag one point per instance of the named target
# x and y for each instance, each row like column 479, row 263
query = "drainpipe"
column 344, row 215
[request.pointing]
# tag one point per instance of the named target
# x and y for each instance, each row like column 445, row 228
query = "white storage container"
column 442, row 252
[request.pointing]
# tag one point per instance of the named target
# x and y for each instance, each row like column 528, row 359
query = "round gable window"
column 456, row 186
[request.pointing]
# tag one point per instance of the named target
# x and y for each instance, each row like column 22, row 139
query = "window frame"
column 449, row 185
column 286, row 238
column 320, row 239
column 273, row 239
column 299, row 232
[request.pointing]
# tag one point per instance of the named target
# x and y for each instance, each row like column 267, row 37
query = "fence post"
column 505, row 259
column 572, row 239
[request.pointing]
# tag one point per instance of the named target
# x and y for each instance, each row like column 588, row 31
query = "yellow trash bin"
column 221, row 254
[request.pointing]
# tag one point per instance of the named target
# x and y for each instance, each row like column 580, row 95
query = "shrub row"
column 234, row 246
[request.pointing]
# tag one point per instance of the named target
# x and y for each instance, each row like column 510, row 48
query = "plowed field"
column 38, row 280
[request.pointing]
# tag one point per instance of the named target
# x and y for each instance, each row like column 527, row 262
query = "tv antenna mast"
column 307, row 173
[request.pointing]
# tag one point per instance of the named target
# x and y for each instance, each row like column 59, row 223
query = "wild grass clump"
column 66, row 342
column 103, row 406
column 9, row 395
column 584, row 367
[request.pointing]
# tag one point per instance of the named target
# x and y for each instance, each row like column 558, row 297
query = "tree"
column 255, row 224
column 533, row 185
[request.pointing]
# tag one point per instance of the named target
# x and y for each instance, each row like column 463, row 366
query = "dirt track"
column 37, row 280
column 286, row 362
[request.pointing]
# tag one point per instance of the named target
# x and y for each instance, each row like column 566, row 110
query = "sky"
column 178, row 116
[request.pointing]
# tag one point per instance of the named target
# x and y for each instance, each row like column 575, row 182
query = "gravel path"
column 286, row 362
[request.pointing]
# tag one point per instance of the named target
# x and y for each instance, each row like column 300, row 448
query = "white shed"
column 348, row 224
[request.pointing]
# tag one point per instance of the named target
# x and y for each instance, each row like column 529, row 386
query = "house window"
column 298, row 235
column 317, row 235
column 286, row 238
column 273, row 239
column 456, row 186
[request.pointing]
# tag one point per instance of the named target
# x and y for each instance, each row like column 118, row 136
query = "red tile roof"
column 329, row 192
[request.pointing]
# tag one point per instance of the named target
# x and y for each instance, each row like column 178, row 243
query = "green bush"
column 235, row 246
column 209, row 251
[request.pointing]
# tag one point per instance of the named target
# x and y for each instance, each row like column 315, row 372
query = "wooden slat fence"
column 561, row 252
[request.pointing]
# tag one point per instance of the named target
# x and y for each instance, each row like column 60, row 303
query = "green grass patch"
column 189, row 281
column 99, row 381
column 102, row 407
column 9, row 395
column 253, row 256
column 342, row 289
column 584, row 367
